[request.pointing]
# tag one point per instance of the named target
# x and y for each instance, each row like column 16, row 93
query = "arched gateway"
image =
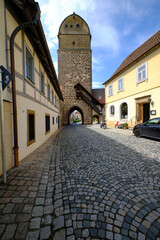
column 74, row 68
column 72, row 110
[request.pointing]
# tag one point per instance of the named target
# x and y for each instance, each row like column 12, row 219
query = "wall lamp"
column 150, row 101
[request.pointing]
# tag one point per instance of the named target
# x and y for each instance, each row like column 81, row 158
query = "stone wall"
column 74, row 66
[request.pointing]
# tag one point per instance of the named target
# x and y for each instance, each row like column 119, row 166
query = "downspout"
column 14, row 101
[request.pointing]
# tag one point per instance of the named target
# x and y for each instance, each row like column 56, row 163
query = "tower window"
column 66, row 26
column 71, row 26
column 78, row 25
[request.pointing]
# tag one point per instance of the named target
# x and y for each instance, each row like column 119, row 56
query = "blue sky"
column 117, row 27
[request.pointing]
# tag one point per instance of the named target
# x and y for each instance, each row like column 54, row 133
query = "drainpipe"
column 14, row 101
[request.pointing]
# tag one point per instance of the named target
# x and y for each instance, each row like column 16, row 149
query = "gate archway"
column 72, row 110
column 95, row 119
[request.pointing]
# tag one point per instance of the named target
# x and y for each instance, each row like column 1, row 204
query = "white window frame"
column 138, row 71
column 120, row 86
column 110, row 90
column 42, row 90
column 32, row 79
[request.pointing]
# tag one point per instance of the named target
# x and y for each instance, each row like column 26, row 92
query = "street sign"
column 6, row 77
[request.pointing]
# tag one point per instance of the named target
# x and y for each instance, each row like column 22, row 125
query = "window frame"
column 52, row 97
column 32, row 79
column 110, row 86
column 29, row 142
column 121, row 111
column 120, row 84
column 49, row 91
column 137, row 73
column 112, row 107
column 47, row 131
column 42, row 90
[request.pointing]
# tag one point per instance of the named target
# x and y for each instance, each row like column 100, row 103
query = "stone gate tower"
column 74, row 67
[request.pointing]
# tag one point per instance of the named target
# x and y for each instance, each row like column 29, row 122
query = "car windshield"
column 153, row 121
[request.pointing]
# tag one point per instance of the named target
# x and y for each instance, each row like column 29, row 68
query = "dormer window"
column 78, row 26
column 66, row 26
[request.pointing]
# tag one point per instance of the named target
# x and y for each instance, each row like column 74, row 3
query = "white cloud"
column 53, row 12
column 106, row 36
column 55, row 65
column 96, row 85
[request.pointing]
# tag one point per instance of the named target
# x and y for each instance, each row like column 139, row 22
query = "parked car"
column 151, row 129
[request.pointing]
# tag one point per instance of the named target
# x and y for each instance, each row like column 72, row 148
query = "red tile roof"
column 99, row 94
column 139, row 52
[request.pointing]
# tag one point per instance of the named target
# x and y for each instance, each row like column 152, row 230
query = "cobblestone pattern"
column 145, row 146
column 83, row 184
column 107, row 190
column 26, row 201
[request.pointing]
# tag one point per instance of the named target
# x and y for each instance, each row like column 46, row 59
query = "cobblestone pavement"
column 85, row 184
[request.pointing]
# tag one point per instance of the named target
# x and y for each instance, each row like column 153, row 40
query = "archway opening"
column 75, row 116
column 124, row 111
column 95, row 119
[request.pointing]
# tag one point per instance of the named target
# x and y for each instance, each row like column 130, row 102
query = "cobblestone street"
column 85, row 183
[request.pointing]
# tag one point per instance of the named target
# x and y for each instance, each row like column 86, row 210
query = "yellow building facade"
column 132, row 94
column 38, row 93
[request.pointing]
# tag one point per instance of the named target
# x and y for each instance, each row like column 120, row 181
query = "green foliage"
column 76, row 120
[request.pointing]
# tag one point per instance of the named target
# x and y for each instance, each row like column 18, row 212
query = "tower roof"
column 74, row 24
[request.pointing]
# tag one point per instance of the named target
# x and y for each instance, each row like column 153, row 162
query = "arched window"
column 112, row 111
column 124, row 111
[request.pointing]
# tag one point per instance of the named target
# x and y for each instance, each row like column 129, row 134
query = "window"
column 56, row 102
column 48, row 91
column 42, row 84
column 78, row 25
column 112, row 111
column 124, row 111
column 120, row 84
column 153, row 121
column 29, row 66
column 142, row 73
column 110, row 90
column 47, row 119
column 52, row 97
column 53, row 120
column 30, row 127
column 56, row 119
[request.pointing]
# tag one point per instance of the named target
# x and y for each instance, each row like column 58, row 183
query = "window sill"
column 144, row 80
column 47, row 132
column 30, row 82
column 30, row 142
column 120, row 91
column 43, row 94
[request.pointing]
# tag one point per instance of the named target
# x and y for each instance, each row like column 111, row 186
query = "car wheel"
column 137, row 133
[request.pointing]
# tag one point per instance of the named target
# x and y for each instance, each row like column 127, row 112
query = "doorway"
column 143, row 112
column 75, row 116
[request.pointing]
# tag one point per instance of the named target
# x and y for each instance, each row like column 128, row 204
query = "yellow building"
column 38, row 95
column 132, row 94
